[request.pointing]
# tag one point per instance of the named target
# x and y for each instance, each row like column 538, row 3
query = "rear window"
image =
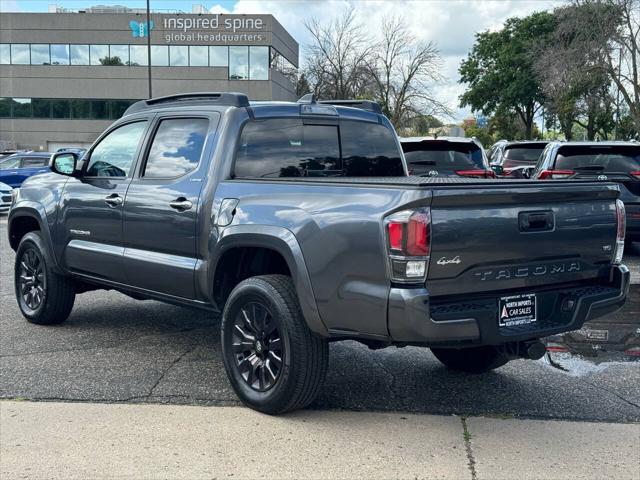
column 280, row 148
column 614, row 159
column 443, row 156
column 523, row 154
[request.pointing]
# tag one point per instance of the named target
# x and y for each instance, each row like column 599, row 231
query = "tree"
column 578, row 65
column 338, row 57
column 471, row 129
column 403, row 70
column 499, row 69
column 111, row 61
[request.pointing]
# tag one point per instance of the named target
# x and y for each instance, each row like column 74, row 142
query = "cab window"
column 115, row 154
column 176, row 147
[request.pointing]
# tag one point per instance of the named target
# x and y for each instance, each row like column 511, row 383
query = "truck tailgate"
column 520, row 236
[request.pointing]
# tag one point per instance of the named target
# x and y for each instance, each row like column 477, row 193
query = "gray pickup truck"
column 299, row 223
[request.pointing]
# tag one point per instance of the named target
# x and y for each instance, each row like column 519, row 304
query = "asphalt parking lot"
column 116, row 349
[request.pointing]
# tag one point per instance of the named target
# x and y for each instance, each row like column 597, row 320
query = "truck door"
column 91, row 204
column 161, row 208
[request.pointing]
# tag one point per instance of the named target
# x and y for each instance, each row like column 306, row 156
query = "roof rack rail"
column 368, row 105
column 232, row 99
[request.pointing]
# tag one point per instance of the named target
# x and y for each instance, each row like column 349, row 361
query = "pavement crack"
column 611, row 392
column 467, row 445
column 392, row 384
column 169, row 367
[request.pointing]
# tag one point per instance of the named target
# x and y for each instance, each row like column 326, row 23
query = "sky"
column 450, row 24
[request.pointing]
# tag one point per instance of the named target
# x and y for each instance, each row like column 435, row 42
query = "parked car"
column 5, row 197
column 445, row 157
column 299, row 223
column 7, row 153
column 517, row 159
column 617, row 162
column 16, row 168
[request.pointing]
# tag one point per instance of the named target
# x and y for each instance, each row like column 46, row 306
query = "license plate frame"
column 517, row 310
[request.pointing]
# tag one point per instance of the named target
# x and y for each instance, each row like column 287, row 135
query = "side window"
column 34, row 162
column 176, row 147
column 10, row 163
column 114, row 155
column 287, row 148
column 369, row 149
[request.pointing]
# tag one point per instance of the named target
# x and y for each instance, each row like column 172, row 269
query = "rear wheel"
column 275, row 364
column 44, row 297
column 471, row 360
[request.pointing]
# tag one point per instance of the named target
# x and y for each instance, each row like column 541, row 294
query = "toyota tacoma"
column 299, row 223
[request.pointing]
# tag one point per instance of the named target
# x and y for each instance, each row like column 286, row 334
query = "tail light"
column 408, row 235
column 635, row 174
column 478, row 173
column 620, row 232
column 555, row 174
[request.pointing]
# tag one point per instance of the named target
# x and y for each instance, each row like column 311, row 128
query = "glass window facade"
column 243, row 62
column 41, row 107
column 40, row 54
column 218, row 56
column 5, row 54
column 20, row 54
column 79, row 54
column 238, row 63
column 179, row 55
column 199, row 56
column 21, row 108
column 60, row 54
column 119, row 54
column 92, row 109
column 99, row 54
column 159, row 55
column 259, row 63
column 138, row 55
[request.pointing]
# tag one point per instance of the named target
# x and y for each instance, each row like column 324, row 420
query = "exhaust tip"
column 536, row 350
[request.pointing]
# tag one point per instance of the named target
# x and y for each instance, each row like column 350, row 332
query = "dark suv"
column 445, row 157
column 299, row 223
column 617, row 162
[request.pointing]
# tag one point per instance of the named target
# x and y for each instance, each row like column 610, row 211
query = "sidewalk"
column 105, row 441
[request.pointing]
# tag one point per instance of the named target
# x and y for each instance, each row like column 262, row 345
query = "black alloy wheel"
column 258, row 346
column 32, row 281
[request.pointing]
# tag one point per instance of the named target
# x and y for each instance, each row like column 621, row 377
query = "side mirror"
column 497, row 169
column 64, row 163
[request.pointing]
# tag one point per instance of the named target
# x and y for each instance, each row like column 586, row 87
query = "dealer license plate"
column 517, row 310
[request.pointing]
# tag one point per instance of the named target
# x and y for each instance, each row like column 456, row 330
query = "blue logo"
column 140, row 29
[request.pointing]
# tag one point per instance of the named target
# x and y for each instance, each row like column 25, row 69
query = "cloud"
column 450, row 24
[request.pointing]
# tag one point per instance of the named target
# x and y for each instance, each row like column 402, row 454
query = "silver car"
column 5, row 197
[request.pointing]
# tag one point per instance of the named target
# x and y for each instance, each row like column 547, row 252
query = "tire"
column 471, row 360
column 250, row 346
column 46, row 298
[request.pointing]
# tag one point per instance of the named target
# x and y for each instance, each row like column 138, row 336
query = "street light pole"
column 149, row 46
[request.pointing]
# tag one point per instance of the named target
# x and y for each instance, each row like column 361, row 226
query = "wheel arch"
column 281, row 245
column 29, row 218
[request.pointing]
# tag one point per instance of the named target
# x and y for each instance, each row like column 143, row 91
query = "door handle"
column 113, row 200
column 181, row 204
column 536, row 221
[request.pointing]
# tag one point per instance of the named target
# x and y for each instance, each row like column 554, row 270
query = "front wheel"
column 471, row 360
column 44, row 297
column 274, row 362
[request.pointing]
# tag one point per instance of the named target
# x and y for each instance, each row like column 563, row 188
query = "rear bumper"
column 414, row 318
